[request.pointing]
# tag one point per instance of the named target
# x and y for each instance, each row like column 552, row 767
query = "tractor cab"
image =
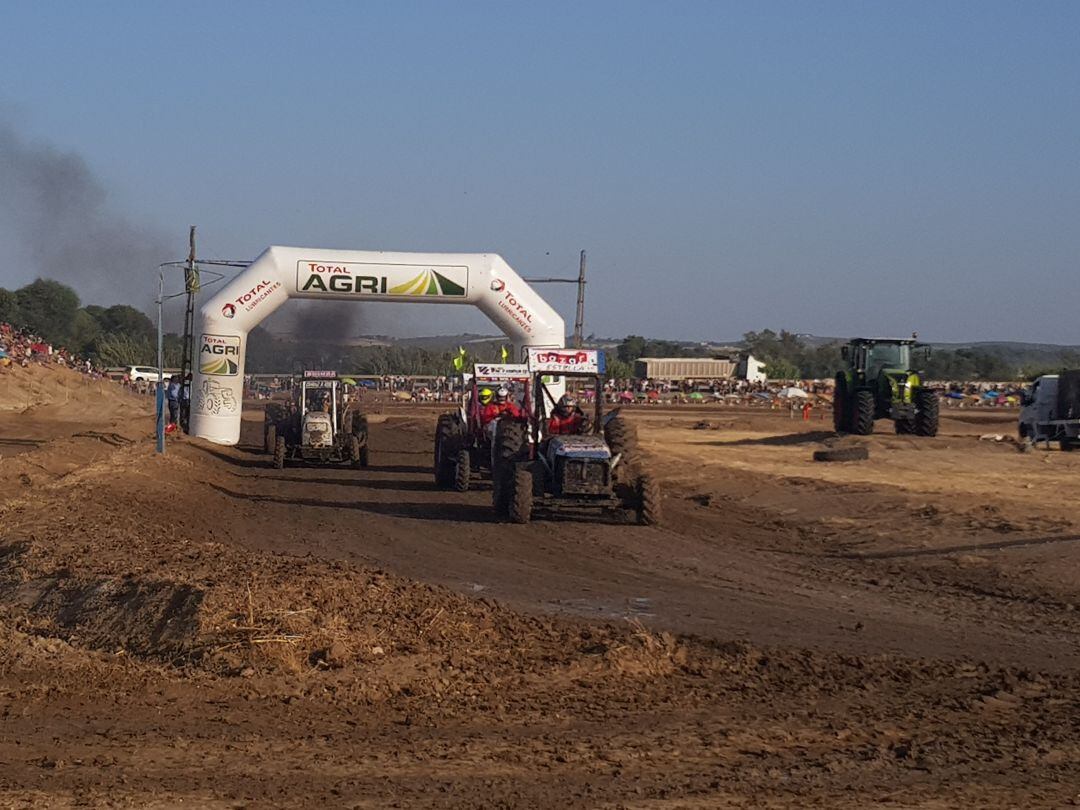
column 318, row 411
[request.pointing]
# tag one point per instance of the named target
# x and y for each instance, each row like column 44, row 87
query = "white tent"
column 792, row 392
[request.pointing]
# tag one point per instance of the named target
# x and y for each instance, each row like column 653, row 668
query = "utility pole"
column 579, row 321
column 191, row 286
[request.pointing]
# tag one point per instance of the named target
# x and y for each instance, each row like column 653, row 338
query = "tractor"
column 463, row 443
column 597, row 469
column 880, row 383
column 320, row 424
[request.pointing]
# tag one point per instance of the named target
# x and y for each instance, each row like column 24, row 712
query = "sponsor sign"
column 363, row 279
column 501, row 371
column 512, row 306
column 219, row 355
column 566, row 361
column 319, row 374
column 252, row 298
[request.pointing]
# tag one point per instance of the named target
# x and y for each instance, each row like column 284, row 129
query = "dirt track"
column 899, row 632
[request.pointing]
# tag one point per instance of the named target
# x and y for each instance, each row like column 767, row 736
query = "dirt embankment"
column 158, row 613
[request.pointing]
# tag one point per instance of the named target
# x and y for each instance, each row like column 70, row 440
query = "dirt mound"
column 65, row 393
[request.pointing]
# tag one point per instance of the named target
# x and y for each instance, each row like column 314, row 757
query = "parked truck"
column 1050, row 410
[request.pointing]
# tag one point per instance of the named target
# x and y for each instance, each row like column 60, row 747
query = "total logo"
column 498, row 285
column 229, row 310
column 252, row 298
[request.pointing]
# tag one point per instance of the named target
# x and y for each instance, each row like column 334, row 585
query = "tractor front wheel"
column 279, row 453
column 462, row 471
column 521, row 495
column 926, row 412
column 863, row 417
column 445, row 433
column 648, row 492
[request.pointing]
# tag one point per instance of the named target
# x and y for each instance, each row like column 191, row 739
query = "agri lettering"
column 343, row 283
column 219, row 349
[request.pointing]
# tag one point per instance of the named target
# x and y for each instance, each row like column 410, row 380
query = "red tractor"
column 463, row 438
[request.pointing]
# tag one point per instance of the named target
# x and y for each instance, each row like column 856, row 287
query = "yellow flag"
column 459, row 360
column 504, row 353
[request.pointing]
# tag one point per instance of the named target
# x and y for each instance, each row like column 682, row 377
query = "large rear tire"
column 622, row 440
column 279, row 453
column 863, row 416
column 462, row 471
column 445, row 446
column 521, row 495
column 500, row 490
column 649, row 508
column 510, row 440
column 841, row 405
column 354, row 450
column 927, row 412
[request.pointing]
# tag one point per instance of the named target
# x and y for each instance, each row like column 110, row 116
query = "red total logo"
column 229, row 310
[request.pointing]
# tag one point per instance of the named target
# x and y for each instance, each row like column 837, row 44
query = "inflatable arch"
column 484, row 280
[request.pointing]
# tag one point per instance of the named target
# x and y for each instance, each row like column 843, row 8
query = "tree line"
column 121, row 335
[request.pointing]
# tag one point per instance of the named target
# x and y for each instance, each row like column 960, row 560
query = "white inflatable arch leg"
column 484, row 280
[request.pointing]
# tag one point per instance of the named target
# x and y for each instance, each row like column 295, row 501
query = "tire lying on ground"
column 842, row 454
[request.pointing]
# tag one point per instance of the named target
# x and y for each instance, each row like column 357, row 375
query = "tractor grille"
column 582, row 476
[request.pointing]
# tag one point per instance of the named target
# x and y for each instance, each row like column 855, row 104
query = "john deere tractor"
column 880, row 383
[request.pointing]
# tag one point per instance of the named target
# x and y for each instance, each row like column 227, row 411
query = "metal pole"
column 160, row 364
column 579, row 321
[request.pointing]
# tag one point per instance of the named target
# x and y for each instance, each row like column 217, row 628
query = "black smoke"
column 56, row 214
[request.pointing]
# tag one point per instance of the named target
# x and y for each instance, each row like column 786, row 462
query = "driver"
column 568, row 418
column 507, row 407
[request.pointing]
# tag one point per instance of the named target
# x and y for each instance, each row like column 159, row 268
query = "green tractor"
column 879, row 383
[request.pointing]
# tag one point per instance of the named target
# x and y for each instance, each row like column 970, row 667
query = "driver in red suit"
column 568, row 418
column 502, row 406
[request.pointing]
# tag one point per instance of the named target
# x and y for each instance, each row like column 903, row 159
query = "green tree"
column 125, row 350
column 9, row 307
column 48, row 308
column 781, row 369
column 631, row 348
column 85, row 332
column 619, row 370
column 125, row 320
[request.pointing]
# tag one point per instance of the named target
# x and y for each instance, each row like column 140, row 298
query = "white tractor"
column 321, row 424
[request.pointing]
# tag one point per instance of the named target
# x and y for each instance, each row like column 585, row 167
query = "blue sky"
column 834, row 168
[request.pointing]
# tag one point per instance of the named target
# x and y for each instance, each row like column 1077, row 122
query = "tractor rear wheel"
column 863, row 416
column 364, row 455
column 279, row 453
column 648, row 492
column 270, row 438
column 462, row 470
column 926, row 412
column 521, row 494
column 445, row 434
column 500, row 489
column 841, row 408
column 622, row 440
